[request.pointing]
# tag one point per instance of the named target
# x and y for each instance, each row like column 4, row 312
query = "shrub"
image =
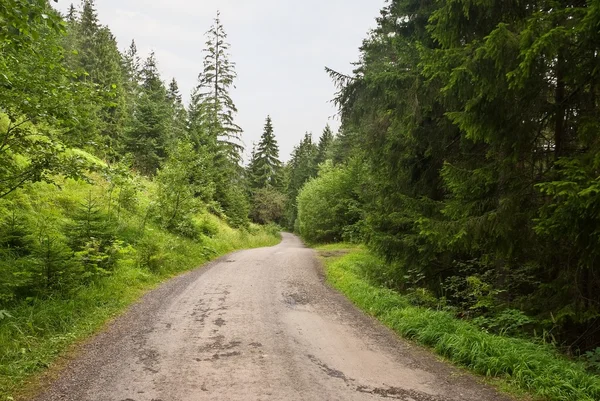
column 268, row 206
column 328, row 206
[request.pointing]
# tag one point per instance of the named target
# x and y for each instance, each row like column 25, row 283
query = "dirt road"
column 255, row 325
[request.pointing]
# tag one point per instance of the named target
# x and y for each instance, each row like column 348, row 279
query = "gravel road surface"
column 259, row 324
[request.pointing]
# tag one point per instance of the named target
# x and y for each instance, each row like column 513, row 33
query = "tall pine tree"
column 325, row 142
column 212, row 109
column 211, row 124
column 265, row 164
column 147, row 136
column 177, row 129
column 301, row 169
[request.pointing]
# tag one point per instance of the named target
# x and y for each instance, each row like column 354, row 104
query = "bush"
column 268, row 206
column 328, row 206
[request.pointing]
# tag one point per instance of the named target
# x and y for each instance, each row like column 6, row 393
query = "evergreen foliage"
column 265, row 179
column 302, row 167
column 265, row 166
column 73, row 106
column 325, row 142
column 148, row 132
column 268, row 206
column 212, row 107
column 94, row 54
column 475, row 125
column 211, row 124
column 82, row 232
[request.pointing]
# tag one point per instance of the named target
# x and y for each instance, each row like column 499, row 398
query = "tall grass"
column 537, row 369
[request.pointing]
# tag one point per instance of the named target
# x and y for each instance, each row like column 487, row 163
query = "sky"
column 280, row 49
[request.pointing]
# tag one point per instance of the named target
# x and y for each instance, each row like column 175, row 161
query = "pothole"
column 296, row 298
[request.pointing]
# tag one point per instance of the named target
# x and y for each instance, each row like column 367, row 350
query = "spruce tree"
column 177, row 129
column 266, row 166
column 131, row 65
column 251, row 170
column 301, row 169
column 212, row 109
column 211, row 124
column 325, row 142
column 97, row 55
column 147, row 136
column 71, row 14
column 461, row 112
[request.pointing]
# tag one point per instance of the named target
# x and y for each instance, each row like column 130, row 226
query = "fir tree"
column 325, row 142
column 212, row 109
column 265, row 164
column 177, row 129
column 71, row 14
column 149, row 129
column 302, row 168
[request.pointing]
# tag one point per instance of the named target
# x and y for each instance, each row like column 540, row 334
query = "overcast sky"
column 280, row 48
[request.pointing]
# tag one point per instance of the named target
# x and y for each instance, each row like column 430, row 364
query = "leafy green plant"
column 328, row 206
column 592, row 360
column 150, row 253
column 207, row 227
column 507, row 322
column 268, row 206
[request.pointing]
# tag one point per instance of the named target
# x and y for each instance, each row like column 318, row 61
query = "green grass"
column 537, row 369
column 39, row 330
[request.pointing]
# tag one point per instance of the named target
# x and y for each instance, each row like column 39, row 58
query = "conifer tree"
column 325, row 142
column 98, row 57
column 211, row 123
column 131, row 71
column 265, row 163
column 147, row 136
column 491, row 103
column 301, row 169
column 251, row 170
column 212, row 109
column 177, row 130
column 71, row 14
column 131, row 68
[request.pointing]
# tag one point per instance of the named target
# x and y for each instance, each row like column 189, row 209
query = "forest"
column 467, row 162
column 92, row 136
column 468, row 159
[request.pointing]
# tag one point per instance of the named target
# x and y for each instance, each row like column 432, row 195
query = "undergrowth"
column 536, row 368
column 35, row 330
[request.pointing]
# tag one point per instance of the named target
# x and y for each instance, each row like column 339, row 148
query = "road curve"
column 255, row 325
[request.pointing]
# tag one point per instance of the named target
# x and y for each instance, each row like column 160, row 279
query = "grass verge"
column 537, row 369
column 39, row 330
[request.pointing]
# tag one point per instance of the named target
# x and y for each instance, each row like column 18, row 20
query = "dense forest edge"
column 467, row 162
column 109, row 183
